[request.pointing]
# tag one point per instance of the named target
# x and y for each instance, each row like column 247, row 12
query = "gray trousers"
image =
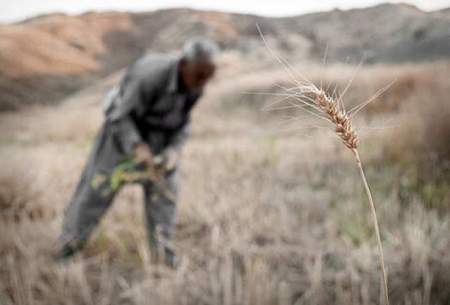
column 89, row 204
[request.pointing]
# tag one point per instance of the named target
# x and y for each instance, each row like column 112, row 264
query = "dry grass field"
column 272, row 208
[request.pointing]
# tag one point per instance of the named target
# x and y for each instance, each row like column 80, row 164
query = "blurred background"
column 272, row 210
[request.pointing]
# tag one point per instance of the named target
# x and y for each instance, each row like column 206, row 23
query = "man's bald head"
column 199, row 49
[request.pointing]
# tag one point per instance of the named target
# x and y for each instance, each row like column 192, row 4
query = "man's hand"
column 170, row 159
column 142, row 153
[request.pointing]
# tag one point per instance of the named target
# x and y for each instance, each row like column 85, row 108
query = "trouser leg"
column 160, row 213
column 89, row 203
column 83, row 214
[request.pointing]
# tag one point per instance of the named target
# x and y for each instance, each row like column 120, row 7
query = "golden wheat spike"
column 333, row 111
column 319, row 104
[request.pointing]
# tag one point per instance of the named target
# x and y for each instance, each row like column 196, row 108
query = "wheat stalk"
column 317, row 102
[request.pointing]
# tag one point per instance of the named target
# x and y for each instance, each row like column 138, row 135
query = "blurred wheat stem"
column 375, row 221
column 331, row 109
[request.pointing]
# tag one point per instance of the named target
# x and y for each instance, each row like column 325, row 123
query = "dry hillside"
column 47, row 57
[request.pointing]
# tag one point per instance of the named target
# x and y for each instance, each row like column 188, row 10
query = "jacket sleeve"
column 179, row 139
column 128, row 100
column 126, row 133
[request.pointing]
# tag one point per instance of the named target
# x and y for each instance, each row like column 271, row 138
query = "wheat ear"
column 318, row 103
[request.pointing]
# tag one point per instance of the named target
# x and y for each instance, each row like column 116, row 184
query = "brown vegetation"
column 266, row 217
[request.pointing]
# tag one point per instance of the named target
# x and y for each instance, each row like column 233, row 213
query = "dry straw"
column 317, row 102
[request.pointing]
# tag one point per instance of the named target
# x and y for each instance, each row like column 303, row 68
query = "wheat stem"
column 375, row 221
column 334, row 112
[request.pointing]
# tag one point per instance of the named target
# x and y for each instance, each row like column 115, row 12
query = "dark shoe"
column 170, row 258
column 67, row 250
column 64, row 253
column 166, row 255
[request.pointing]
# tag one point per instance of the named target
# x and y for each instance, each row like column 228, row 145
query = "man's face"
column 196, row 74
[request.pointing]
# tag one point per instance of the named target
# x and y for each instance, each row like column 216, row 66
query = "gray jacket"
column 149, row 105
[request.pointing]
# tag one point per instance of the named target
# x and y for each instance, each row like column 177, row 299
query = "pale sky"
column 15, row 10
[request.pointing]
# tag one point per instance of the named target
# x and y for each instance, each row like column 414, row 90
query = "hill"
column 47, row 57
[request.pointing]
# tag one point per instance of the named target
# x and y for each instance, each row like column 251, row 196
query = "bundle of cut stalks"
column 130, row 171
